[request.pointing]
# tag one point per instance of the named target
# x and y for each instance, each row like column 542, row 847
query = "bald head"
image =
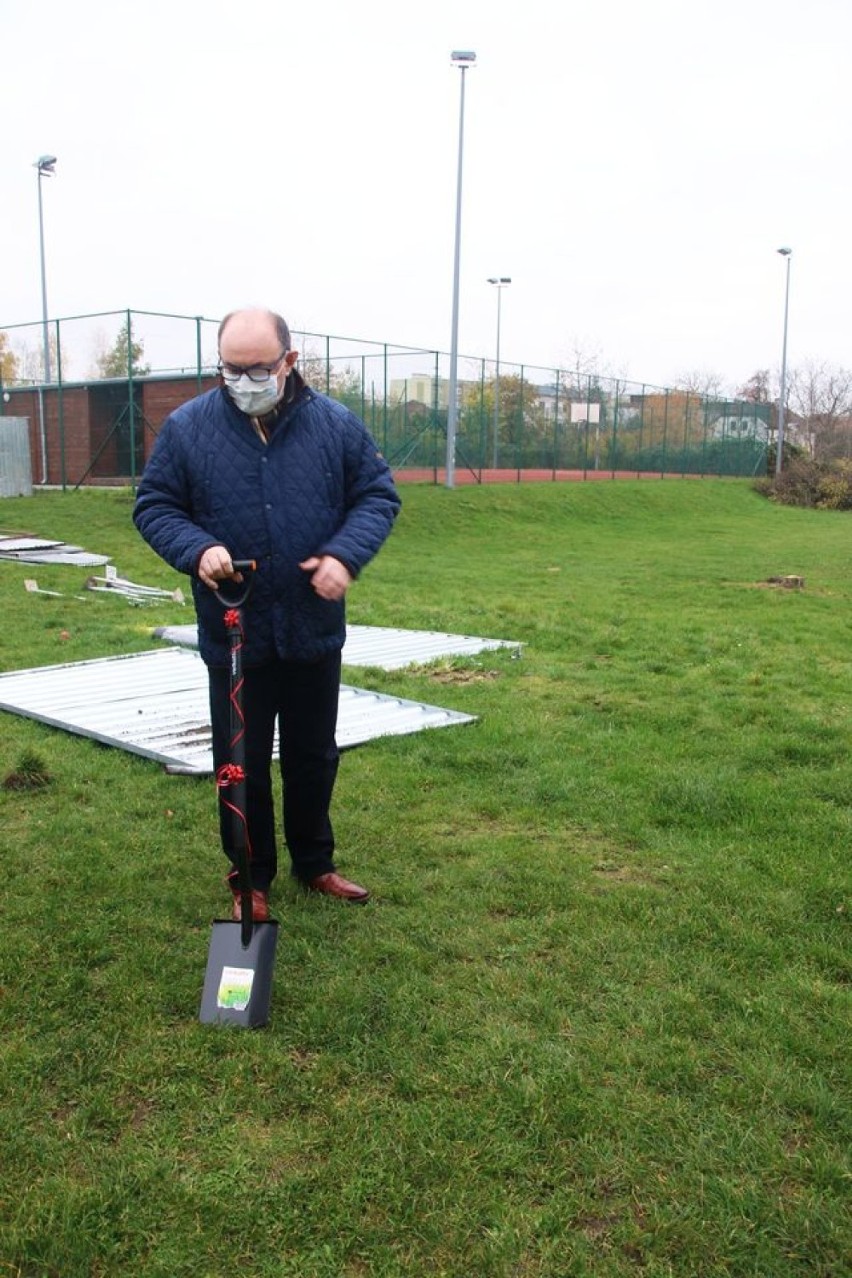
column 253, row 336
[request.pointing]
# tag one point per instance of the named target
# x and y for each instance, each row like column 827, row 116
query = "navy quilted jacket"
column 319, row 487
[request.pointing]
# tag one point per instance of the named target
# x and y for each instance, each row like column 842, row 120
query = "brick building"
column 97, row 432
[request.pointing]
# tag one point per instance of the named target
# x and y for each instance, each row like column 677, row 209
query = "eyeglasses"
column 256, row 373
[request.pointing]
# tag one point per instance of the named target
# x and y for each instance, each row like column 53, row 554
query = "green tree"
column 522, row 425
column 114, row 362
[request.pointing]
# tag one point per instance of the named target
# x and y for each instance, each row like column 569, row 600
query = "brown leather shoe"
column 334, row 885
column 259, row 907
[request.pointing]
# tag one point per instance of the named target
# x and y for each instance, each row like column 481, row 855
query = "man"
column 265, row 468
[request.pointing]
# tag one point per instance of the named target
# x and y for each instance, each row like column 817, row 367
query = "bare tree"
column 585, row 365
column 758, row 388
column 821, row 396
column 703, row 382
column 339, row 380
column 30, row 360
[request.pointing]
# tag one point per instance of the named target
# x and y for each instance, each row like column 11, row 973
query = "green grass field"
column 596, row 1019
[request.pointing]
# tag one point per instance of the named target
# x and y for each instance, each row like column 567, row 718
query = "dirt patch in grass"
column 611, row 872
column 20, row 781
column 456, row 673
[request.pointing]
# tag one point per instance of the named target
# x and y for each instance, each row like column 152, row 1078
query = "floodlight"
column 462, row 58
column 44, row 167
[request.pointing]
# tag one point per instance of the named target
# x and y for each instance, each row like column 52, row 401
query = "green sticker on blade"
column 235, row 988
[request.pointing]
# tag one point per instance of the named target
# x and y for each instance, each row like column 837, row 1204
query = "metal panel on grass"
column 381, row 646
column 156, row 704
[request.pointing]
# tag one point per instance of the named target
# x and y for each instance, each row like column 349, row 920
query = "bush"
column 819, row 485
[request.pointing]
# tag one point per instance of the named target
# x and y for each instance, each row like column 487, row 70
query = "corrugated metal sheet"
column 379, row 646
column 155, row 704
column 34, row 550
column 16, row 473
column 26, row 543
column 77, row 558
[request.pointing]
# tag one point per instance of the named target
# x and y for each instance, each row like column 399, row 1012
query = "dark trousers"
column 303, row 696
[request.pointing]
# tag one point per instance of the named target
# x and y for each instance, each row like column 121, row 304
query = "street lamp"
column 45, row 168
column 500, row 281
column 462, row 58
column 779, row 444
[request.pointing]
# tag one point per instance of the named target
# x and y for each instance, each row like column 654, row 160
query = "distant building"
column 741, row 419
column 562, row 404
column 715, row 418
column 420, row 388
column 97, row 432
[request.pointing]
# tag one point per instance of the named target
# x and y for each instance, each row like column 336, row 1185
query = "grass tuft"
column 30, row 773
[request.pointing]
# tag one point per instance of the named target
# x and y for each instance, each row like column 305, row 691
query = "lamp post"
column 462, row 58
column 500, row 282
column 45, row 168
column 782, row 399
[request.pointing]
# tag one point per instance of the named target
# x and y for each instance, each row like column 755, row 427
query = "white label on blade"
column 235, row 988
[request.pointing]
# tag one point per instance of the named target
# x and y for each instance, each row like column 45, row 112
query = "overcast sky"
column 633, row 166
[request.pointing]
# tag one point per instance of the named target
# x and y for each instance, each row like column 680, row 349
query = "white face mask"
column 254, row 398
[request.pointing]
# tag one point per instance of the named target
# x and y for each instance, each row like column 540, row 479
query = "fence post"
column 555, row 424
column 436, row 400
column 198, row 353
column 483, row 424
column 586, row 424
column 614, row 430
column 519, row 453
column 131, row 419
column 385, row 397
column 60, row 411
column 641, row 431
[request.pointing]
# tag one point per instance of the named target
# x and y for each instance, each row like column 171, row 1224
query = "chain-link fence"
column 97, row 388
